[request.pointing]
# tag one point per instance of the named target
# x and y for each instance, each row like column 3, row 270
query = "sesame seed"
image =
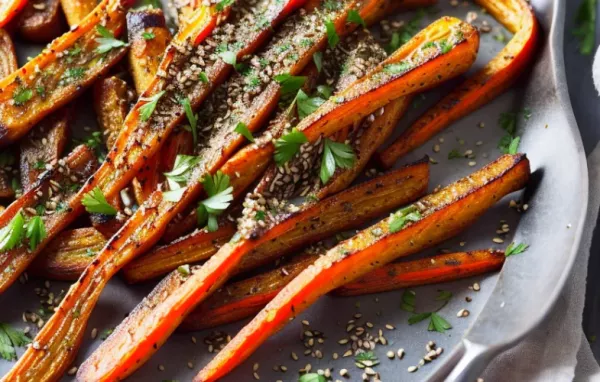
column 190, row 365
column 476, row 287
column 335, row 356
column 436, row 148
column 72, row 370
column 255, row 367
column 161, row 368
column 390, row 354
column 400, row 353
column 472, row 163
column 389, row 327
column 256, row 376
column 94, row 333
column 294, row 356
column 412, row 369
column 498, row 240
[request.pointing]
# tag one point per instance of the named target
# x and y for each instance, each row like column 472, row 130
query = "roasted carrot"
column 345, row 210
column 41, row 21
column 76, row 10
column 492, row 80
column 148, row 36
column 61, row 72
column 155, row 319
column 44, row 145
column 9, row 9
column 245, row 298
column 68, row 254
column 8, row 64
column 8, row 58
column 63, row 332
column 430, row 270
column 111, row 103
column 436, row 217
column 57, row 188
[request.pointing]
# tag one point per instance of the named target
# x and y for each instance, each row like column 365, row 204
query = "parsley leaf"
column 10, row 339
column 147, row 109
column 312, row 377
column 438, row 323
column 408, row 301
column 318, row 60
column 513, row 147
column 513, row 249
column 182, row 169
column 289, row 84
column 455, row 154
column 184, row 270
column 192, row 118
column 108, row 41
column 418, row 317
column 335, row 154
column 220, row 195
column 354, row 17
column 228, row 57
column 95, row 203
column 402, row 217
column 242, row 129
column 509, row 143
column 11, row 236
column 203, row 77
column 260, row 215
column 325, row 91
column 332, row 37
column 221, row 5
column 307, row 105
column 35, row 232
column 22, row 95
column 288, row 145
column 366, row 359
column 148, row 36
column 106, row 333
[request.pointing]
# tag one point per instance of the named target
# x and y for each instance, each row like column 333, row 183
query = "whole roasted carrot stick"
column 425, row 223
column 245, row 298
column 485, row 85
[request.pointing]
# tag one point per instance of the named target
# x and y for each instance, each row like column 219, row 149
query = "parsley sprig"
column 312, row 377
column 182, row 169
column 11, row 236
column 288, row 145
column 335, row 154
column 509, row 143
column 354, row 17
column 243, row 130
column 95, row 203
column 22, row 95
column 513, row 249
column 9, row 340
column 307, row 105
column 332, row 36
column 290, row 84
column 35, row 232
column 437, row 323
column 108, row 41
column 585, row 29
column 220, row 195
column 192, row 118
column 147, row 109
column 366, row 359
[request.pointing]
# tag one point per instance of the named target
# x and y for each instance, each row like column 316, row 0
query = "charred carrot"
column 245, row 298
column 44, row 146
column 41, row 22
column 62, row 71
column 111, row 98
column 430, row 270
column 8, row 58
column 63, row 332
column 492, row 80
column 425, row 223
column 8, row 64
column 9, row 9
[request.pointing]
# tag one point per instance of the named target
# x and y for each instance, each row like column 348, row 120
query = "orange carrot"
column 491, row 81
column 245, row 298
column 423, row 224
column 9, row 9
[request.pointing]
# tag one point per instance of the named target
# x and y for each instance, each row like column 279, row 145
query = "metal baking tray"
column 508, row 305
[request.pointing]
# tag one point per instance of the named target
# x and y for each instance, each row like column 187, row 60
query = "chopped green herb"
column 192, row 119
column 513, row 249
column 182, row 169
column 11, row 236
column 288, row 145
column 403, row 216
column 500, row 37
column 312, row 377
column 229, row 57
column 397, row 68
column 354, row 17
column 39, row 165
column 394, row 44
column 307, row 105
column 184, row 270
column 147, row 109
column 174, row 195
column 438, row 323
column 260, row 216
column 418, row 317
column 148, row 35
column 106, row 333
column 71, row 75
column 366, row 359
column 332, row 5
column 325, row 91
column 289, row 84
column 35, row 232
column 444, row 295
column 318, row 59
column 95, row 203
column 9, row 340
column 332, row 37
column 220, row 195
column 22, row 95
column 221, row 5
column 585, row 30
column 153, row 3
column 108, row 41
column 455, row 154
column 408, row 301
column 41, row 91
column 445, row 46
column 335, row 154
column 203, row 77
column 242, row 129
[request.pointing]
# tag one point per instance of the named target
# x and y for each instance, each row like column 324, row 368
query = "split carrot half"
column 436, row 217
column 484, row 86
